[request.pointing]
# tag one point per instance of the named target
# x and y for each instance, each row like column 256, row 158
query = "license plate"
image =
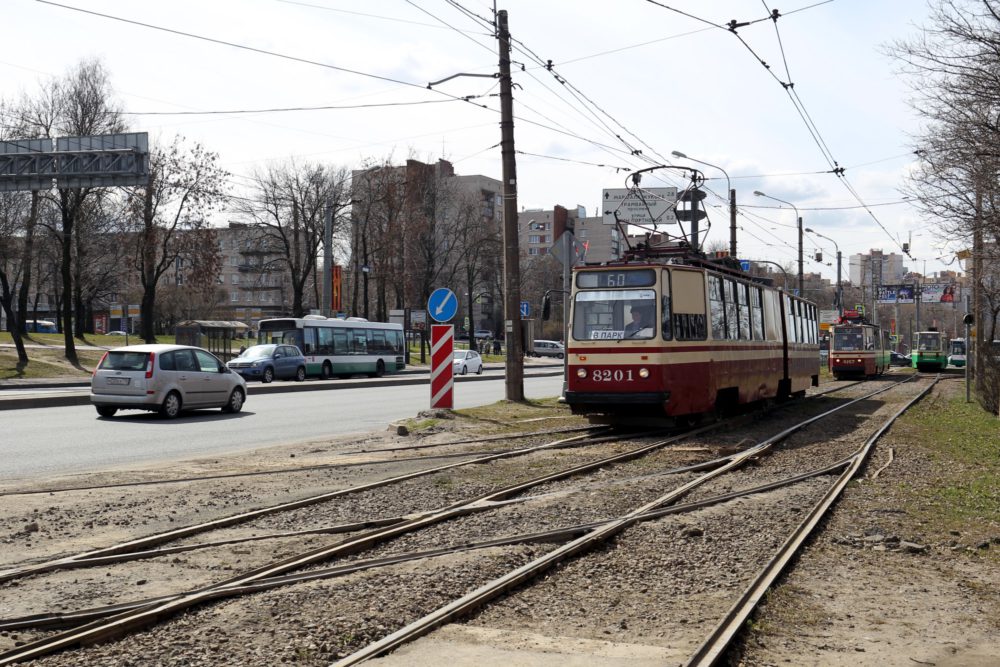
column 118, row 380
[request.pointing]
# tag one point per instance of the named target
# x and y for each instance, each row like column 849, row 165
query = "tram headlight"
column 581, row 373
column 644, row 373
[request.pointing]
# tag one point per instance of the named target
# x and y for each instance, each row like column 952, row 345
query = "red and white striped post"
column 442, row 379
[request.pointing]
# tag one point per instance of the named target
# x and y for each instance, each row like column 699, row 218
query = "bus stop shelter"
column 216, row 336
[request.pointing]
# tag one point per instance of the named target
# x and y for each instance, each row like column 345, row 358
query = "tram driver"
column 638, row 323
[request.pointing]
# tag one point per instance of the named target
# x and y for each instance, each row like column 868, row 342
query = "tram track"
column 270, row 573
column 144, row 546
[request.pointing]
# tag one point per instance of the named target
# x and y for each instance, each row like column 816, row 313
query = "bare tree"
column 288, row 205
column 79, row 104
column 954, row 69
column 185, row 183
column 13, row 211
column 378, row 238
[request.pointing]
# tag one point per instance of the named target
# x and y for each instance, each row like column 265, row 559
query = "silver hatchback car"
column 164, row 379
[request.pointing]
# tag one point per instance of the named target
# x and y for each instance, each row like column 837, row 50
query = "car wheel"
column 560, row 355
column 171, row 406
column 480, row 370
column 106, row 411
column 300, row 374
column 327, row 371
column 235, row 402
column 465, row 369
column 268, row 375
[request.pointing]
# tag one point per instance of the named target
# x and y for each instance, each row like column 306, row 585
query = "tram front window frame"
column 606, row 314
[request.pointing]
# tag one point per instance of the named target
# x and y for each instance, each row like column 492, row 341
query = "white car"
column 464, row 361
column 548, row 348
column 164, row 379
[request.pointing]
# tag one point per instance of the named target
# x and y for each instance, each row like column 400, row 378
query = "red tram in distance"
column 674, row 337
column 857, row 348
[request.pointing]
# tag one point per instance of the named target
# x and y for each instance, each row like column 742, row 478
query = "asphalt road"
column 59, row 440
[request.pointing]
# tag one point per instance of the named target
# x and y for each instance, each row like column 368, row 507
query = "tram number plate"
column 609, row 375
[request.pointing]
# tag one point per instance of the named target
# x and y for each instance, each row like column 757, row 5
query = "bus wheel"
column 327, row 371
column 379, row 369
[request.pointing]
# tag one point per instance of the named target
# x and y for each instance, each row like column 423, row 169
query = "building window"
column 234, row 260
column 236, row 279
column 534, row 238
column 533, row 251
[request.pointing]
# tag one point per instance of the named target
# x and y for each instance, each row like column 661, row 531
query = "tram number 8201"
column 608, row 375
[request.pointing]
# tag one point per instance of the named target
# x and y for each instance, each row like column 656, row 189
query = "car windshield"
column 459, row 355
column 258, row 352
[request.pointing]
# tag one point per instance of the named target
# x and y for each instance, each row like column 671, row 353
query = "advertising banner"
column 895, row 294
column 941, row 293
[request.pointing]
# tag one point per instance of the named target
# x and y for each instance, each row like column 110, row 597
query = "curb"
column 83, row 396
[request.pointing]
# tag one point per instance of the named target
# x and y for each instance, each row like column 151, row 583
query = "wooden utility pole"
column 511, row 256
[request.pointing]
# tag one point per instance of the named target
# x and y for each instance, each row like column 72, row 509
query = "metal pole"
column 840, row 287
column 569, row 254
column 968, row 356
column 327, row 260
column 511, row 258
column 732, row 222
column 802, row 284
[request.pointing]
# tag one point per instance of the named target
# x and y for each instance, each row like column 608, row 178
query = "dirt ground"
column 879, row 585
column 885, row 583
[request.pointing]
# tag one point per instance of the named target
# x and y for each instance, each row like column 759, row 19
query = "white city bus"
column 339, row 348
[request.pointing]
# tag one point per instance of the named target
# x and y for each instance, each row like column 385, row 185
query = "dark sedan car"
column 267, row 362
column 897, row 359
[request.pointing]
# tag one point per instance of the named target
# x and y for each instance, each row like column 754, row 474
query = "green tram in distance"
column 339, row 348
column 929, row 352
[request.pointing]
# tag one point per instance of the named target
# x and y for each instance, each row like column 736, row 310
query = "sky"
column 631, row 81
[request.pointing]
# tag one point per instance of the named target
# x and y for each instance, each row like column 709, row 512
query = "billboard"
column 929, row 293
column 941, row 293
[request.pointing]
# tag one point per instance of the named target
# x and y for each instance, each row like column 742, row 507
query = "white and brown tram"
column 684, row 337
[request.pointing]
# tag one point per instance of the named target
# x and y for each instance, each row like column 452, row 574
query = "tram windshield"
column 957, row 347
column 848, row 340
column 929, row 341
column 615, row 315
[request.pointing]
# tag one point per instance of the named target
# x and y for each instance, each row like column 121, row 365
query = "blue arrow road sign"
column 745, row 264
column 442, row 304
column 525, row 309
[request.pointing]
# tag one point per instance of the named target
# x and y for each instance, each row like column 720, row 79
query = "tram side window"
column 799, row 338
column 743, row 303
column 688, row 305
column 732, row 324
column 814, row 324
column 718, row 308
column 757, row 313
column 665, row 329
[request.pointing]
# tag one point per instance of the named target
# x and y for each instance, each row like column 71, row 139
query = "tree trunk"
column 14, row 324
column 66, row 270
column 29, row 251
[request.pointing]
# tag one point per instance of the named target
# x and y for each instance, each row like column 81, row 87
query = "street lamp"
column 732, row 199
column 799, row 219
column 840, row 288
